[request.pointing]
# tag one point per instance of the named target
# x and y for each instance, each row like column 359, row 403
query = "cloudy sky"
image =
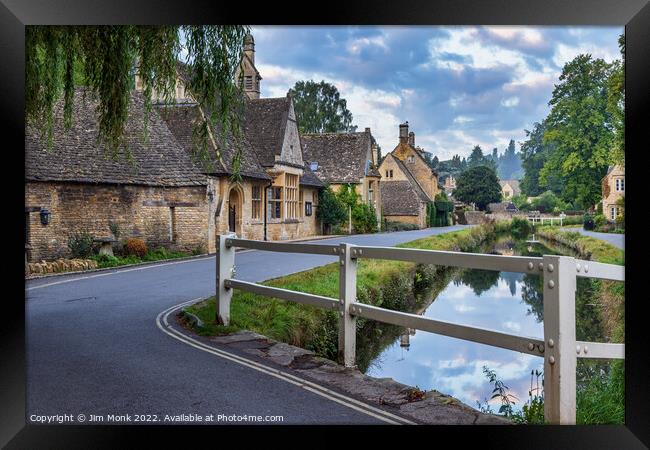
column 456, row 86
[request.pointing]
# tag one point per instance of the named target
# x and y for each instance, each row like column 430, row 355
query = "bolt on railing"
column 559, row 348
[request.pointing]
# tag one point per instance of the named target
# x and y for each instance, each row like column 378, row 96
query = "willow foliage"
column 105, row 59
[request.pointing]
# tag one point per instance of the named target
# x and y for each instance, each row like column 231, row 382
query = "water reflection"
column 502, row 301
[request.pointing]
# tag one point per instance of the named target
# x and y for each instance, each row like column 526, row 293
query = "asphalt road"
column 93, row 346
column 617, row 240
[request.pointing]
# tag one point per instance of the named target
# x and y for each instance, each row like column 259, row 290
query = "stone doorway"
column 235, row 211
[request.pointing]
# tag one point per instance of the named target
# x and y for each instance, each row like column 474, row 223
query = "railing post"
column 559, row 340
column 225, row 269
column 347, row 296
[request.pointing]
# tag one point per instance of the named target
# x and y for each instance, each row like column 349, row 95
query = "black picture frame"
column 634, row 14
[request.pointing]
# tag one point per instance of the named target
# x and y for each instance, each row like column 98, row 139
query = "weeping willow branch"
column 104, row 59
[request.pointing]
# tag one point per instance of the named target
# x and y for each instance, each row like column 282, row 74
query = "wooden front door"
column 232, row 218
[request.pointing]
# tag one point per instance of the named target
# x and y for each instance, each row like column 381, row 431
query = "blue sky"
column 457, row 86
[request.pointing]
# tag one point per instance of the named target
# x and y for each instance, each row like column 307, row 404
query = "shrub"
column 548, row 202
column 105, row 260
column 364, row 218
column 520, row 227
column 199, row 250
column 599, row 220
column 136, row 247
column 81, row 244
column 331, row 212
column 399, row 226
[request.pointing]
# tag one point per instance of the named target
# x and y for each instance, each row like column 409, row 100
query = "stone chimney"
column 404, row 132
column 412, row 139
column 367, row 130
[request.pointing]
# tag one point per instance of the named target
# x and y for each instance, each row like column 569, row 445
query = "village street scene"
column 325, row 225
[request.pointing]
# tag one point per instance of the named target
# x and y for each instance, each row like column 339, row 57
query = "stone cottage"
column 346, row 158
column 159, row 195
column 613, row 185
column 164, row 194
column 408, row 182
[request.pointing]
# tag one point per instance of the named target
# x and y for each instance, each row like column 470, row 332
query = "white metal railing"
column 559, row 348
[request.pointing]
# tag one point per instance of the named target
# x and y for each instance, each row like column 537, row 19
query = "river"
column 501, row 301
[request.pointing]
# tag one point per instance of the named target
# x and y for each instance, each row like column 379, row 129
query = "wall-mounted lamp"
column 45, row 216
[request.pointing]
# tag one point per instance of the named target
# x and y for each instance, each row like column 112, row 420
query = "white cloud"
column 512, row 326
column 355, row 46
column 510, row 102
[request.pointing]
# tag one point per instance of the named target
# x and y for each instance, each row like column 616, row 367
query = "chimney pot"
column 404, row 132
column 367, row 129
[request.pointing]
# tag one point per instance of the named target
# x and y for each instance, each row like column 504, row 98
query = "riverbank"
column 611, row 294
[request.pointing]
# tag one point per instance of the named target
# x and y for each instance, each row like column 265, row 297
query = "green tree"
column 320, row 108
column 534, row 153
column 477, row 158
column 580, row 128
column 478, row 185
column 331, row 212
column 105, row 59
column 509, row 163
column 616, row 103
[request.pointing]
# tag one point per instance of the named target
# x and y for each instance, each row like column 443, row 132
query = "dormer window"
column 313, row 166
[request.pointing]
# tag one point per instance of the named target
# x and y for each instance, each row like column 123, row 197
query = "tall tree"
column 320, row 108
column 105, row 58
column 616, row 103
column 580, row 128
column 478, row 185
column 534, row 153
column 509, row 163
column 476, row 158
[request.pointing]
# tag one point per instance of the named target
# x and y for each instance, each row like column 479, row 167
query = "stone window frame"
column 410, row 159
column 613, row 212
column 256, row 202
column 301, row 203
column 308, row 209
column 620, row 184
column 291, row 196
column 274, row 202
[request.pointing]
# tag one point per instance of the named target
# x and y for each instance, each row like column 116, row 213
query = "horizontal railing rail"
column 531, row 346
column 313, row 249
column 559, row 347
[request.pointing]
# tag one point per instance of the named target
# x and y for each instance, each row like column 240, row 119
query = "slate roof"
column 341, row 157
column 180, row 120
column 399, row 198
column 265, row 125
column 414, row 183
column 309, row 178
column 76, row 155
